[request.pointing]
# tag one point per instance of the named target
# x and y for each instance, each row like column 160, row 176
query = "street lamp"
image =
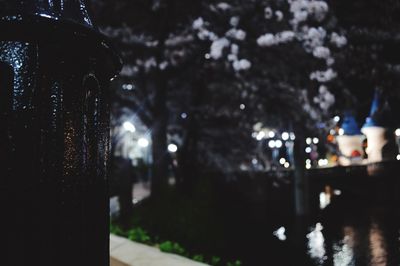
column 143, row 142
column 336, row 119
column 271, row 134
column 271, row 144
column 128, row 126
column 285, row 136
column 172, row 148
column 278, row 143
column 260, row 135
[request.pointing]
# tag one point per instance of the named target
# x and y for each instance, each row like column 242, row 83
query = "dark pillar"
column 301, row 182
column 54, row 134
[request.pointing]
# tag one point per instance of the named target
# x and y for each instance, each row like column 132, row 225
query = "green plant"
column 235, row 263
column 139, row 235
column 172, row 247
column 116, row 230
column 215, row 260
column 199, row 258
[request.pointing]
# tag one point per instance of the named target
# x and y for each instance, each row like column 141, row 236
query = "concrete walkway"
column 124, row 252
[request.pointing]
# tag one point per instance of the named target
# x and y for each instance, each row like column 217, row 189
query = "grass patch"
column 140, row 235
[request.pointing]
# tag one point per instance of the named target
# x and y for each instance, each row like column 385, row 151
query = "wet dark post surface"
column 54, row 134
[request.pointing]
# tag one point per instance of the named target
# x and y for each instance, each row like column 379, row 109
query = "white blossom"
column 323, row 106
column 319, row 9
column 338, row 40
column 267, row 39
column 223, row 6
column 176, row 40
column 242, row 64
column 198, row 23
column 237, row 34
column 234, row 52
column 234, row 49
column 323, row 89
column 299, row 10
column 204, row 34
column 329, row 99
column 217, row 47
column 321, row 52
column 268, row 13
column 285, row 36
column 323, row 76
column 300, row 16
column 303, row 9
column 129, row 70
column 330, row 61
column 150, row 63
column 317, row 35
column 313, row 37
column 234, row 21
column 232, row 57
column 163, row 65
column 279, row 15
column 311, row 111
column 325, row 98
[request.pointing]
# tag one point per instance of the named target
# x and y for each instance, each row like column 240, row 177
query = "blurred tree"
column 221, row 68
column 202, row 74
column 276, row 60
column 150, row 35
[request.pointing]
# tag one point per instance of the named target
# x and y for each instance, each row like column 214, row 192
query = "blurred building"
column 379, row 131
column 350, row 143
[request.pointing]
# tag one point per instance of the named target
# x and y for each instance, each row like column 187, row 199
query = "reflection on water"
column 316, row 245
column 363, row 239
column 343, row 250
column 324, row 200
column 325, row 197
column 280, row 233
column 377, row 244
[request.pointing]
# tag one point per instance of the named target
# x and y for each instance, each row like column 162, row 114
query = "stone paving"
column 124, row 252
